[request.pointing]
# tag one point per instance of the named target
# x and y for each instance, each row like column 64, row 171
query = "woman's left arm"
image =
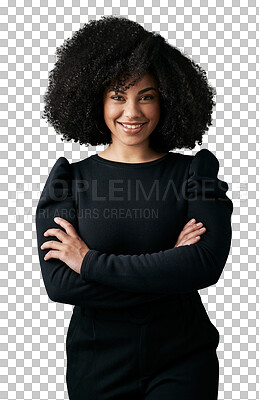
column 184, row 268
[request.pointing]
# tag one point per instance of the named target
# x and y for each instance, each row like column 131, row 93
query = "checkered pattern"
column 221, row 37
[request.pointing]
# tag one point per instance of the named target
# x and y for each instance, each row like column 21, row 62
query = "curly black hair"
column 109, row 51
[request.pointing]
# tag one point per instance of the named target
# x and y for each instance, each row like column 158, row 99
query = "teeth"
column 132, row 126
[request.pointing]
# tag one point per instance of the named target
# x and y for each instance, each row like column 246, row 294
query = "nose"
column 132, row 110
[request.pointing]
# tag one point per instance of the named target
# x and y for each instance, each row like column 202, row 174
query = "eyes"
column 149, row 97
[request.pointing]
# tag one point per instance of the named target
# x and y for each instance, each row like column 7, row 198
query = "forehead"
column 148, row 80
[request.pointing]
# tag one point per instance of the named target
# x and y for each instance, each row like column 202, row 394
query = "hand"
column 190, row 234
column 72, row 249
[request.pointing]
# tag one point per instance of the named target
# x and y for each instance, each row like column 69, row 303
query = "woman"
column 127, row 251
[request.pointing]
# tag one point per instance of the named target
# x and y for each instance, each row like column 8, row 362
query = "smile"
column 132, row 128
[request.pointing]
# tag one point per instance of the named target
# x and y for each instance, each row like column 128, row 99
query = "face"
column 137, row 105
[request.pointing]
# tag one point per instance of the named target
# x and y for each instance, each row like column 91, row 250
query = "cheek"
column 110, row 113
column 154, row 113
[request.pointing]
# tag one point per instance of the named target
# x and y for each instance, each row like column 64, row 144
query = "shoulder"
column 61, row 168
column 61, row 162
column 205, row 155
column 203, row 160
column 203, row 176
column 203, row 163
column 59, row 177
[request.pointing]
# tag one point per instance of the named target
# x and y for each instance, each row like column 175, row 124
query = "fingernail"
column 191, row 221
column 56, row 219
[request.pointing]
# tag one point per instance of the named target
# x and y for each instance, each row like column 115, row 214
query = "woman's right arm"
column 63, row 285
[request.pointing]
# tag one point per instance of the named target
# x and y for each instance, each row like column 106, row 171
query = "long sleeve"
column 62, row 284
column 181, row 269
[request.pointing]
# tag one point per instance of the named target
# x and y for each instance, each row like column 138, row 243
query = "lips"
column 139, row 123
column 132, row 131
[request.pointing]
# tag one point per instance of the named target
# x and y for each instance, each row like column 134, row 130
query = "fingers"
column 61, row 235
column 52, row 254
column 189, row 224
column 190, row 227
column 51, row 244
column 70, row 230
column 195, row 230
column 192, row 240
column 56, row 232
column 191, row 233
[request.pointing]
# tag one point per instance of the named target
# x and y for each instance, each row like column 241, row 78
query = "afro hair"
column 109, row 51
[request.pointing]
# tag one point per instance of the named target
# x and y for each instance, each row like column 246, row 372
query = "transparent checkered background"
column 223, row 39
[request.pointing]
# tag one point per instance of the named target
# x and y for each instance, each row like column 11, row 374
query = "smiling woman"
column 127, row 252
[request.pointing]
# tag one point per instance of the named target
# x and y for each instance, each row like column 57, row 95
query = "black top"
column 130, row 216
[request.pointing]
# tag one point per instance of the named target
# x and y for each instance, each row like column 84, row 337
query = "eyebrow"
column 140, row 92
